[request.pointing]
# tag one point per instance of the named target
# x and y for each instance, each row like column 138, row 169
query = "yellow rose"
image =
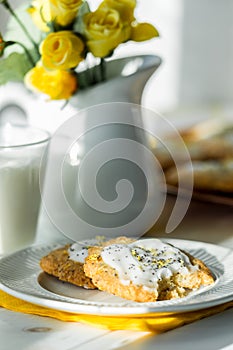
column 124, row 7
column 104, row 31
column 40, row 12
column 143, row 31
column 63, row 12
column 61, row 50
column 67, row 5
column 57, row 84
column 139, row 31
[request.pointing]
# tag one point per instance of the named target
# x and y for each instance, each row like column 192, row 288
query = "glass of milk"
column 21, row 149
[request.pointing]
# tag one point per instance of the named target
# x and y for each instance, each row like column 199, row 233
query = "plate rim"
column 135, row 309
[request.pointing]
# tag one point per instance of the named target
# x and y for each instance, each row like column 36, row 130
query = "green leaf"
column 14, row 67
column 78, row 25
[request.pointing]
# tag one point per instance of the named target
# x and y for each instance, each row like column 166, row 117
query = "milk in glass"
column 21, row 149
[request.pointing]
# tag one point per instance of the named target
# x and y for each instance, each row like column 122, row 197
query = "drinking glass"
column 21, row 148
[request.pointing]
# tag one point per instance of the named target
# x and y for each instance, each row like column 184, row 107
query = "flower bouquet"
column 68, row 34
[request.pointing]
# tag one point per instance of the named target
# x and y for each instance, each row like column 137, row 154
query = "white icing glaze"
column 145, row 262
column 78, row 253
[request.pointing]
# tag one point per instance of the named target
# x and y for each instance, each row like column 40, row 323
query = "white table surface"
column 204, row 221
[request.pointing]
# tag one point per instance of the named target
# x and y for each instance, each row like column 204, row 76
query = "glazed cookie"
column 145, row 270
column 58, row 263
column 66, row 263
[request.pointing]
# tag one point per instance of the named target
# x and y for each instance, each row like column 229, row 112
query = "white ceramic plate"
column 21, row 276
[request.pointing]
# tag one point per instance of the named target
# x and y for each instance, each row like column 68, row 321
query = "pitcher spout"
column 139, row 69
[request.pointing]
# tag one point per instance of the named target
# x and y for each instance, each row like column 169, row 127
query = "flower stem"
column 6, row 4
column 29, row 56
column 88, row 74
column 103, row 69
